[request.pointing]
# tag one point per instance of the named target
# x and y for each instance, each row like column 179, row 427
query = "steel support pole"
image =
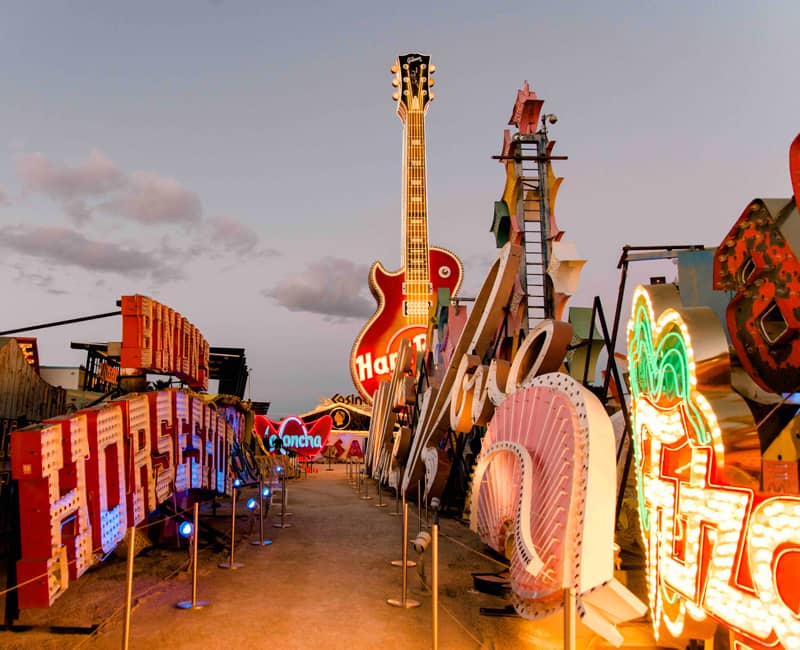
column 405, row 562
column 419, row 506
column 405, row 602
column 380, row 503
column 366, row 496
column 231, row 564
column 261, row 541
column 284, row 514
column 194, row 603
column 126, row 624
column 435, row 585
column 570, row 603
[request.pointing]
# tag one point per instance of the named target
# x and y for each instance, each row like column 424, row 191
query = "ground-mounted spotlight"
column 265, row 492
column 237, row 483
column 252, row 503
column 185, row 529
column 279, row 469
column 421, row 542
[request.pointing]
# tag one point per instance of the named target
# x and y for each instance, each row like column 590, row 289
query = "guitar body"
column 372, row 358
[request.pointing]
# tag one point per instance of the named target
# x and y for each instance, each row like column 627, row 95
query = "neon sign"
column 718, row 550
column 158, row 339
column 30, row 350
column 85, row 478
column 292, row 433
column 542, row 483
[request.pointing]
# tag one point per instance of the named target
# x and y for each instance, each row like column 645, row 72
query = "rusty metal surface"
column 758, row 261
column 23, row 394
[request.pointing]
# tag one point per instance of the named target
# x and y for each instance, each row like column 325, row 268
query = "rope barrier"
column 472, row 550
column 110, row 618
column 461, row 625
column 97, row 551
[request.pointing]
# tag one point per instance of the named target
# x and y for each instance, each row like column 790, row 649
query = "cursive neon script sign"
column 717, row 549
column 293, row 433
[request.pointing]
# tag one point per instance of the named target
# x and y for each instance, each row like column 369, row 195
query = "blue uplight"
column 237, row 483
column 186, row 529
column 279, row 469
column 265, row 492
column 252, row 503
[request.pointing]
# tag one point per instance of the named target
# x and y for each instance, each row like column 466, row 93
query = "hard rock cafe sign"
column 405, row 296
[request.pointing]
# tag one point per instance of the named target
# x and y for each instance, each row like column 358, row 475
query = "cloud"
column 96, row 176
column 153, row 199
column 98, row 184
column 233, row 235
column 332, row 287
column 44, row 281
column 58, row 245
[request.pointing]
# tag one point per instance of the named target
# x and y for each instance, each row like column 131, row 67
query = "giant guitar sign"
column 404, row 296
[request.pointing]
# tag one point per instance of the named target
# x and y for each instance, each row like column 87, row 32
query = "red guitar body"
column 374, row 350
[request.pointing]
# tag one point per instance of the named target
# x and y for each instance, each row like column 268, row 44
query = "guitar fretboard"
column 415, row 222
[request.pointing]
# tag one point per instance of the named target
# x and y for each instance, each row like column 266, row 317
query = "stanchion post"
column 283, row 524
column 261, row 541
column 405, row 602
column 569, row 618
column 194, row 603
column 405, row 562
column 396, row 512
column 366, row 496
column 231, row 564
column 126, row 625
column 435, row 578
column 419, row 506
column 380, row 503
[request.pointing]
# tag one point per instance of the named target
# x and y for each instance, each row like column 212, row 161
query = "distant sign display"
column 158, row 339
column 30, row 350
column 293, row 434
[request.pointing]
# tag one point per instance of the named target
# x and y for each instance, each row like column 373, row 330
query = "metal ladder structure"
column 531, row 160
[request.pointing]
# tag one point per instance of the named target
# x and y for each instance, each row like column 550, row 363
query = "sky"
column 241, row 161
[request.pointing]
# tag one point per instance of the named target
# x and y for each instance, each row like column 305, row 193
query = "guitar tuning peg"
column 432, row 96
column 431, row 82
column 395, row 82
column 432, row 68
column 394, row 67
column 395, row 96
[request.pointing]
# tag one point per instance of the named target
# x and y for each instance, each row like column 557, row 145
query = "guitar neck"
column 415, row 207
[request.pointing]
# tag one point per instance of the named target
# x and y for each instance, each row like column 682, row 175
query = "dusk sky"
column 241, row 161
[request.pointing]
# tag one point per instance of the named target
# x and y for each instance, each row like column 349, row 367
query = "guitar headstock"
column 413, row 80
